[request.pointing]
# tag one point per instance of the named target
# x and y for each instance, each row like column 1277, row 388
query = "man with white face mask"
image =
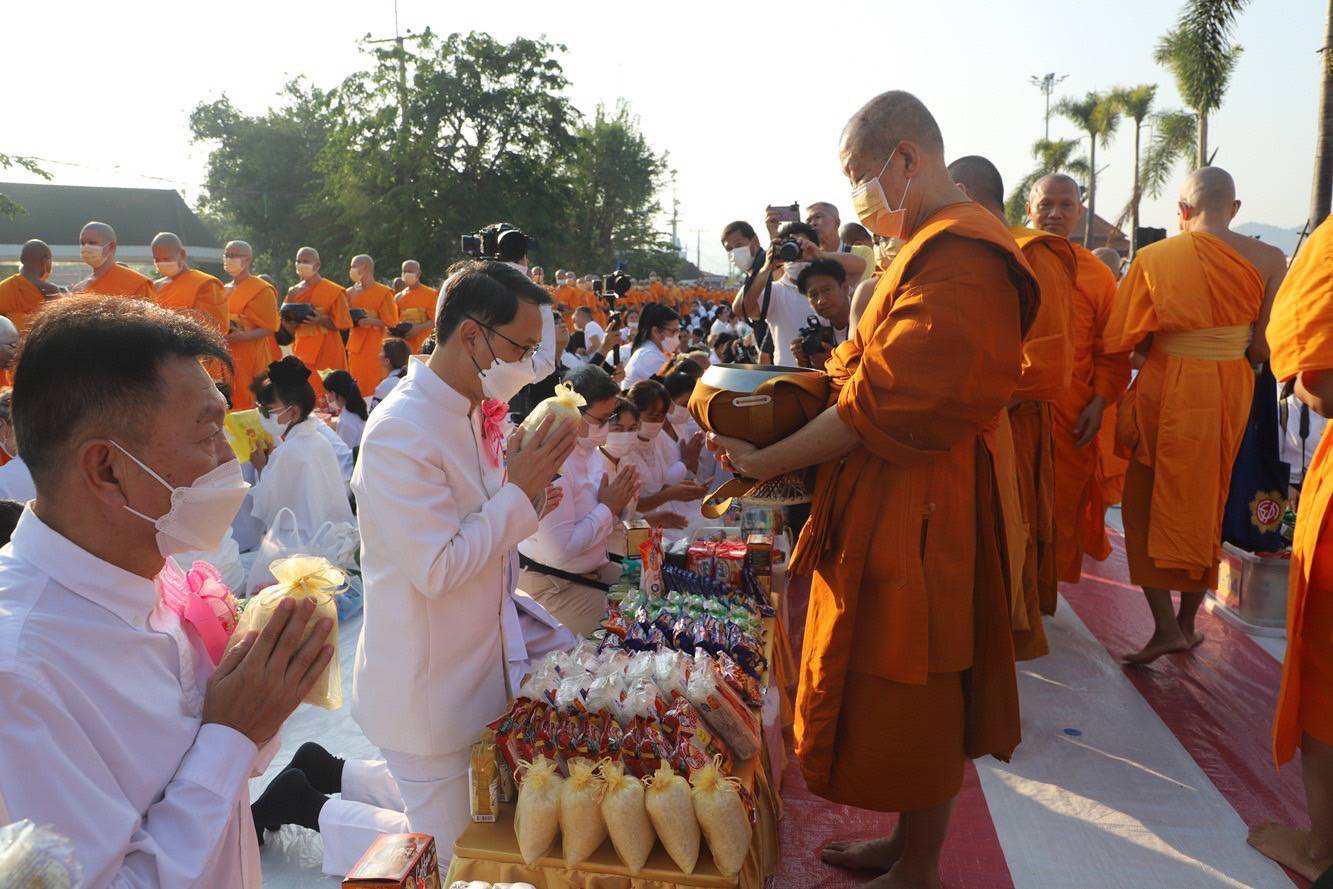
column 787, row 308
column 183, row 289
column 441, row 512
column 144, row 746
column 97, row 248
column 252, row 306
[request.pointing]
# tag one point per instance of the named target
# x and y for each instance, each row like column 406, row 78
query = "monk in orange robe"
column 1111, row 472
column 1195, row 305
column 318, row 343
column 252, row 305
column 1048, row 359
column 185, row 289
column 907, row 668
column 376, row 301
column 1300, row 333
column 416, row 305
column 21, row 295
column 97, row 248
column 1055, row 205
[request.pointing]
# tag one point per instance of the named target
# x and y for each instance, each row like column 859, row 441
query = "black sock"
column 288, row 799
column 322, row 768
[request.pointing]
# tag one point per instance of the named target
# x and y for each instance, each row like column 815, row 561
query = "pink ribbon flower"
column 494, row 425
column 202, row 600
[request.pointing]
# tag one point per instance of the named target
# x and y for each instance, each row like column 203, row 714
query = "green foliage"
column 1199, row 51
column 1135, row 102
column 1173, row 137
column 8, row 206
column 1098, row 115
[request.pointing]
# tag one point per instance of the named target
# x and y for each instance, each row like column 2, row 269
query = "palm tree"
column 1173, row 137
column 1199, row 52
column 1098, row 115
column 1136, row 103
column 1056, row 156
column 1323, row 158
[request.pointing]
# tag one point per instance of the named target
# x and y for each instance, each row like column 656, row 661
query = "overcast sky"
column 748, row 99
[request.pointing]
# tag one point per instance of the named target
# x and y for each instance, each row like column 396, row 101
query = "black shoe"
column 288, row 799
column 322, row 768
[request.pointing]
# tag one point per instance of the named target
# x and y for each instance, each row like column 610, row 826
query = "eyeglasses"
column 596, row 422
column 528, row 352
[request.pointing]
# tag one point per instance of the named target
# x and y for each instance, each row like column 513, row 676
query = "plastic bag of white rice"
column 537, row 817
column 723, row 817
column 626, row 817
column 667, row 799
column 581, row 826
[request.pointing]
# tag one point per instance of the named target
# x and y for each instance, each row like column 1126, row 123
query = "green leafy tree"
column 1098, row 115
column 1136, row 104
column 1052, row 156
column 1173, row 136
column 1198, row 51
column 8, row 206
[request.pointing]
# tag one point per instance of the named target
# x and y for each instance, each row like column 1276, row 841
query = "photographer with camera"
column 824, row 284
column 771, row 293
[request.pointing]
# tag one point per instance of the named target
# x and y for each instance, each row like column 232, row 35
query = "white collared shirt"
column 302, row 474
column 16, row 481
column 647, row 360
column 572, row 537
column 101, row 692
column 439, row 526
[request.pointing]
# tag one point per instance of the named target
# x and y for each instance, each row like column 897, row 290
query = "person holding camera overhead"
column 656, row 340
column 772, row 293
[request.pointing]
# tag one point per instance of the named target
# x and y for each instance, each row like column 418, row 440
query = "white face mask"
column 233, row 265
column 618, row 444
column 597, row 435
column 411, row 278
column 671, row 343
column 305, row 270
column 355, row 274
column 503, row 379
column 679, row 415
column 794, row 270
column 648, row 430
column 200, row 513
column 742, row 257
column 92, row 254
column 168, row 269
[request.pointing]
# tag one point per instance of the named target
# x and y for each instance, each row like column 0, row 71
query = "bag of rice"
column 672, row 813
column 563, row 405
column 723, row 817
column 581, row 826
column 537, row 817
column 626, row 818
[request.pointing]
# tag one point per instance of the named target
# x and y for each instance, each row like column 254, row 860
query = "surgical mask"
column 92, row 254
column 679, row 415
column 355, row 275
column 794, row 270
column 742, row 257
column 597, row 435
column 168, row 269
column 648, row 430
column 618, row 444
column 305, row 270
column 271, row 426
column 411, row 278
column 200, row 513
column 233, row 265
column 872, row 206
column 503, row 379
column 671, row 342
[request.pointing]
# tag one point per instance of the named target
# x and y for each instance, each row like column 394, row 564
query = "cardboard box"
column 483, row 780
column 397, row 861
column 637, row 533
column 759, row 553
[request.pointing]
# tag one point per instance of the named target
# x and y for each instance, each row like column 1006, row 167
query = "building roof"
column 1104, row 234
column 56, row 213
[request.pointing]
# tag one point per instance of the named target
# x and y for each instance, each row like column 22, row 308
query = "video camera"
column 501, row 242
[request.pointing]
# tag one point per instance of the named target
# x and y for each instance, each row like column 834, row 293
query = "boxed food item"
column 721, row 560
column 397, row 861
column 759, row 553
column 637, row 533
column 483, row 780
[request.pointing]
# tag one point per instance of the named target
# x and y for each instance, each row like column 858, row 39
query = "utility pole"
column 404, row 131
column 1047, row 83
column 675, row 215
column 698, row 242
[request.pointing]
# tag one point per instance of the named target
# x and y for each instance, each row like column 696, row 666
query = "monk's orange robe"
column 1080, row 523
column 363, row 343
column 1300, row 335
column 197, row 294
column 318, row 348
column 118, row 280
column 417, row 304
column 909, row 617
column 1111, row 471
column 1182, row 421
column 252, row 305
column 1048, row 365
column 19, row 300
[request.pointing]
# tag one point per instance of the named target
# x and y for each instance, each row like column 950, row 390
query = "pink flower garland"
column 494, row 425
column 202, row 600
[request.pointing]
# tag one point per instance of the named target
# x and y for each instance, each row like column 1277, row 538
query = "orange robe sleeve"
column 1048, row 351
column 1300, row 334
column 19, row 300
column 211, row 300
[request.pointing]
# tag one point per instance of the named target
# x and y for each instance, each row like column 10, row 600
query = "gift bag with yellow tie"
column 300, row 577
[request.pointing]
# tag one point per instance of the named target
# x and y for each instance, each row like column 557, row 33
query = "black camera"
column 501, row 242
column 815, row 337
column 788, row 250
column 618, row 283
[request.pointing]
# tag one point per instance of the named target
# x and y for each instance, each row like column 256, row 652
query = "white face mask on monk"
column 92, row 254
column 305, row 270
column 411, row 278
column 233, row 265
column 355, row 274
column 168, row 268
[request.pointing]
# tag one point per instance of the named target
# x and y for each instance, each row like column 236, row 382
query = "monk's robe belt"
column 1210, row 344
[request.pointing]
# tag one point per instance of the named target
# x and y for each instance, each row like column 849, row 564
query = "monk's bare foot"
column 1157, row 646
column 1290, row 847
column 872, row 855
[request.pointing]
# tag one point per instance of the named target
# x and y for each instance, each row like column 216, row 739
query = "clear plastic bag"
column 537, row 816
column 564, row 405
column 627, row 817
column 723, row 818
column 581, row 826
column 671, row 811
column 37, row 857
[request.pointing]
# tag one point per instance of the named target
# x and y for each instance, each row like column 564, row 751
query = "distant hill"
column 1282, row 238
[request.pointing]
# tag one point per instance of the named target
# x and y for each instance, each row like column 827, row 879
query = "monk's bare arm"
column 860, row 299
column 824, row 438
column 1275, row 271
column 1315, row 388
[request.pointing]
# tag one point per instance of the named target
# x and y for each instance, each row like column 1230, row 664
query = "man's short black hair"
column 740, row 225
column 487, row 292
column 93, row 363
column 829, row 267
column 804, row 229
column 593, row 383
column 10, row 512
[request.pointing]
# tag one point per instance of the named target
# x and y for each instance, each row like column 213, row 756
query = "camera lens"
column 789, row 251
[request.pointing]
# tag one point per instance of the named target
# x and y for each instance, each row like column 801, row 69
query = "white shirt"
column 1296, row 453
column 302, row 474
column 350, row 429
column 720, row 326
column 102, row 695
column 340, row 449
column 788, row 310
column 439, row 527
column 16, row 481
column 385, row 387
column 647, row 360
column 592, row 335
column 572, row 537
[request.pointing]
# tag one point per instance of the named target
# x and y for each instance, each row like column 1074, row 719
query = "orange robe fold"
column 1080, row 525
column 1182, row 421
column 1300, row 335
column 904, row 540
column 252, row 305
column 417, row 304
column 119, row 280
column 318, row 348
column 363, row 343
column 196, row 294
column 19, row 301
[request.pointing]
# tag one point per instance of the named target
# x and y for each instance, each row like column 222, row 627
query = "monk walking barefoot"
column 1299, row 334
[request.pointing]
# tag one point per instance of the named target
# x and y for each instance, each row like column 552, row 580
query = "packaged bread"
column 582, row 829
column 671, row 811
column 537, row 816
column 723, row 817
column 626, row 817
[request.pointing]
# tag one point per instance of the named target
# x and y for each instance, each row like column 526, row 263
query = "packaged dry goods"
column 667, row 798
column 581, row 826
column 563, row 407
column 627, row 817
column 724, row 817
column 537, row 818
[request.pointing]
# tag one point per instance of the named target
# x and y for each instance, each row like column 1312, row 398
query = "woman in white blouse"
column 15, row 479
column 656, row 340
column 347, row 406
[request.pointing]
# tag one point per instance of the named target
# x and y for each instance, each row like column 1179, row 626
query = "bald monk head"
column 236, row 259
column 1055, row 204
column 1208, row 200
column 977, row 178
column 538, row 274
column 893, row 154
column 9, row 343
column 854, row 234
column 97, row 245
column 1111, row 259
column 823, row 218
column 362, row 271
column 168, row 254
column 307, row 264
column 35, row 265
column 411, row 272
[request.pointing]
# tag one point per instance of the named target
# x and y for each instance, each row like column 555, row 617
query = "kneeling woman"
column 302, row 471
